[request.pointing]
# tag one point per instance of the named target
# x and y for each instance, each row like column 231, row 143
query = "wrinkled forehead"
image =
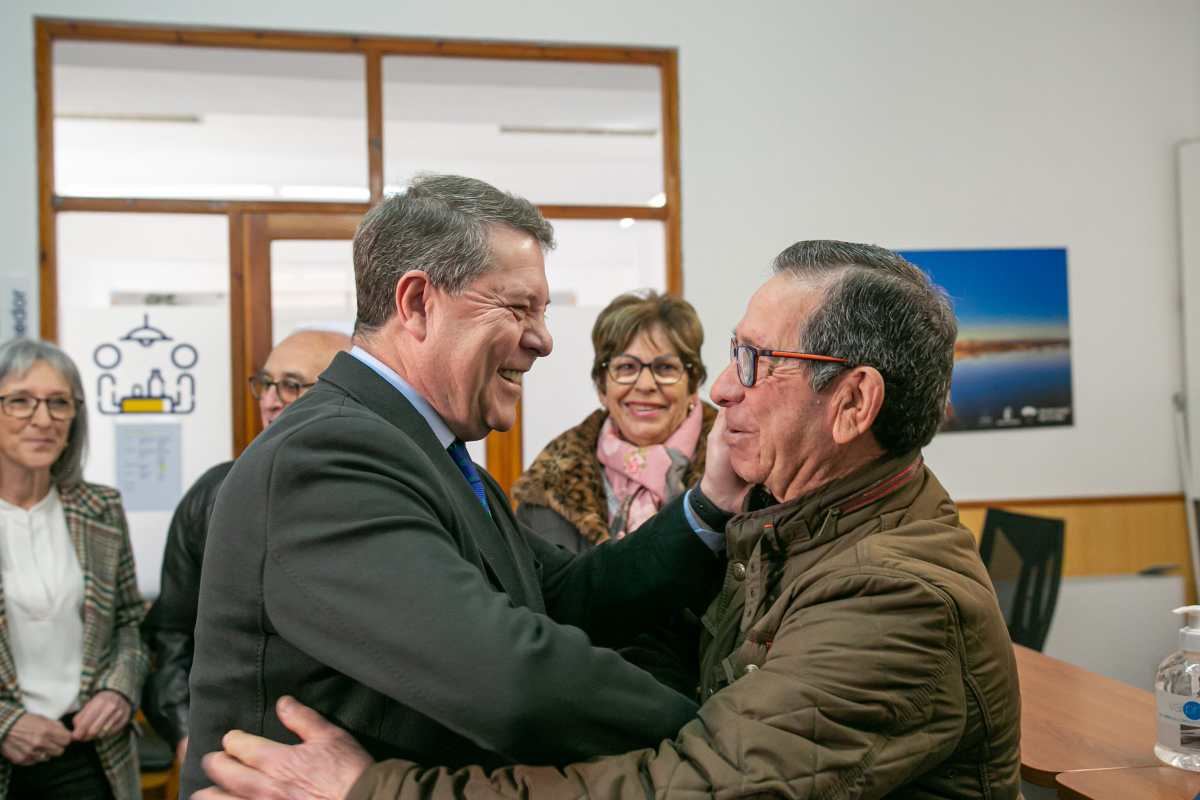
column 517, row 265
column 778, row 311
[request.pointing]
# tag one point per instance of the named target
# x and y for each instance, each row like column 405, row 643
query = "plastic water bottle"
column 1177, row 692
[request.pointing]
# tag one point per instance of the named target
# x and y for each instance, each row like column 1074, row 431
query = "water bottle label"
column 1179, row 721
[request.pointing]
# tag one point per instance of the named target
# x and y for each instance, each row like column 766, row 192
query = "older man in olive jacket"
column 856, row 649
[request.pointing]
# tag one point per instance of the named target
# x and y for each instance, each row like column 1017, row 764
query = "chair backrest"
column 1023, row 556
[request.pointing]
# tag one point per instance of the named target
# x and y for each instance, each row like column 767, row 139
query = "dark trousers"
column 75, row 775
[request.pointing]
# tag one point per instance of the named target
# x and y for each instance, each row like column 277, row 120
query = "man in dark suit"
column 359, row 561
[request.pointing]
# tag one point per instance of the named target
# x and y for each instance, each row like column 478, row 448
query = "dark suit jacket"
column 350, row 565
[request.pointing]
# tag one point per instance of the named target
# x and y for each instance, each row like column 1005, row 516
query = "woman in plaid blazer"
column 71, row 660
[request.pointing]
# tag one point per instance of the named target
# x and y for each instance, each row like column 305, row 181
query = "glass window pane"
column 135, row 120
column 312, row 286
column 595, row 261
column 553, row 132
column 144, row 312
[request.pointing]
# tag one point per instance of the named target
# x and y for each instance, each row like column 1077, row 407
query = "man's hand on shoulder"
column 325, row 766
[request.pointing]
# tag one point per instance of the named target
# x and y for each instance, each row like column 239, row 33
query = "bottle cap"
column 1189, row 635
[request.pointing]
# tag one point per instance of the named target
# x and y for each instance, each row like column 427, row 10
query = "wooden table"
column 1073, row 719
column 1142, row 783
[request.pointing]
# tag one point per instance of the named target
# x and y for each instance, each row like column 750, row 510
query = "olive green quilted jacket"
column 855, row 651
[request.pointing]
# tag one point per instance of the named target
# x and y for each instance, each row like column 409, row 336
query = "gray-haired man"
column 856, row 649
column 361, row 562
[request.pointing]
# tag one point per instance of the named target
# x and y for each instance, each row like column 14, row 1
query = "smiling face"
column 646, row 412
column 481, row 341
column 779, row 428
column 34, row 444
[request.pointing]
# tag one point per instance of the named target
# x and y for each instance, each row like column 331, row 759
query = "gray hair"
column 881, row 311
column 440, row 225
column 17, row 357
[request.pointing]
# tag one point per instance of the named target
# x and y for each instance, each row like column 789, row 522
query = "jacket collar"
column 828, row 511
column 373, row 391
column 367, row 387
column 83, row 499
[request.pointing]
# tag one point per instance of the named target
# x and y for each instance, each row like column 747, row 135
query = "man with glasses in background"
column 290, row 370
column 856, row 649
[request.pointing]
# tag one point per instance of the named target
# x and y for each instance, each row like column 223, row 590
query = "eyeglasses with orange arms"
column 746, row 357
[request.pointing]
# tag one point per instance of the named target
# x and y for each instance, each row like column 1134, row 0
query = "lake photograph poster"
column 1012, row 360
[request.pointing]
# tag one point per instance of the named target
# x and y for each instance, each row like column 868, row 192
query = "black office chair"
column 1023, row 556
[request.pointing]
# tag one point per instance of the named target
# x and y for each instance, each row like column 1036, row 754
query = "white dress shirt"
column 43, row 594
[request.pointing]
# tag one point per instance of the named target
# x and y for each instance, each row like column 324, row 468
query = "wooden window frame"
column 504, row 450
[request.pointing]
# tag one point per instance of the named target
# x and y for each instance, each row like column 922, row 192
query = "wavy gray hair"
column 880, row 311
column 440, row 225
column 17, row 357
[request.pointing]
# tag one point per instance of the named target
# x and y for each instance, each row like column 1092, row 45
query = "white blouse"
column 43, row 594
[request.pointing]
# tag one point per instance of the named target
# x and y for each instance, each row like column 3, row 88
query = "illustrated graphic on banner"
column 1012, row 361
column 149, row 466
column 150, row 395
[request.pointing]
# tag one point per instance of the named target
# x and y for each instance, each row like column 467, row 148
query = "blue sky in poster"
column 1002, row 289
column 1012, row 359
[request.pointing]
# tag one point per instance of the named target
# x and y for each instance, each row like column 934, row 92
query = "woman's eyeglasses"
column 746, row 357
column 665, row 370
column 24, row 406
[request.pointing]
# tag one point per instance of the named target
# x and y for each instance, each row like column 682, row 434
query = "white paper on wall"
column 148, row 466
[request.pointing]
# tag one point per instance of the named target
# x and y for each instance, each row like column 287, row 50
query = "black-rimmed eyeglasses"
column 24, row 406
column 287, row 389
column 665, row 370
column 746, row 357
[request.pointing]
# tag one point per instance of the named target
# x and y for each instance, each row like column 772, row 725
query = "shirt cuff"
column 713, row 540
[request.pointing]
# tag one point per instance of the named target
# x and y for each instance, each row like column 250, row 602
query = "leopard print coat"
column 566, row 477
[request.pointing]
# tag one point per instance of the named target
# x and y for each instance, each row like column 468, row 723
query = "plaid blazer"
column 113, row 655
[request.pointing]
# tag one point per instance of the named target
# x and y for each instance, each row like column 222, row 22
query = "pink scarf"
column 641, row 479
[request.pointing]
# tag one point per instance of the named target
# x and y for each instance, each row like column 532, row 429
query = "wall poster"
column 1012, row 361
column 156, row 380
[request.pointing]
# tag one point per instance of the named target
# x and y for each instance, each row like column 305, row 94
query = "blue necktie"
column 458, row 451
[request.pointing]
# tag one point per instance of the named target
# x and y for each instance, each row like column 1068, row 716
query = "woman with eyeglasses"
column 606, row 476
column 71, row 660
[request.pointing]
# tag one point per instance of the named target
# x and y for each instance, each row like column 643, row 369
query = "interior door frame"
column 251, row 319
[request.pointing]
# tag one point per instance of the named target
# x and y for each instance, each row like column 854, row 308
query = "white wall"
column 1189, row 225
column 917, row 124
